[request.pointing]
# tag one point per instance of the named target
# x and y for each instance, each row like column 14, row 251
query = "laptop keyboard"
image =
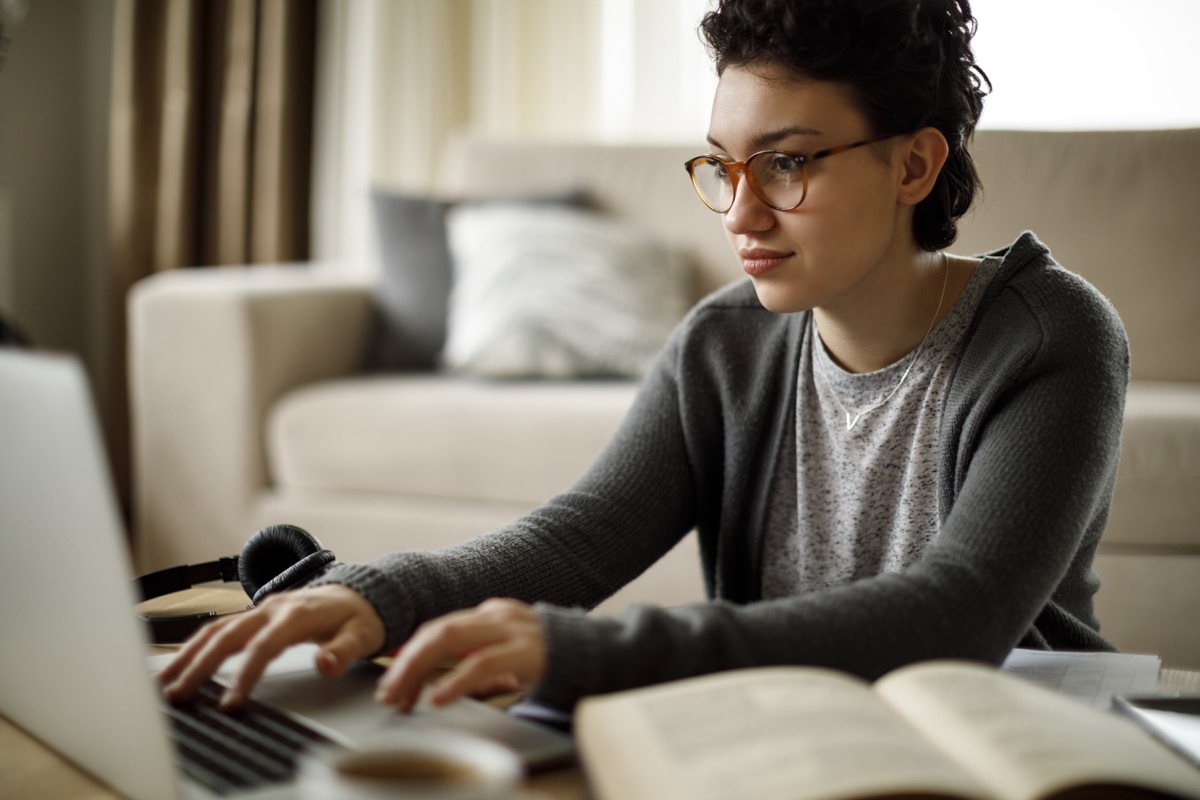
column 229, row 752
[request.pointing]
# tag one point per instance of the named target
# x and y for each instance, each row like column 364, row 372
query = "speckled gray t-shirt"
column 854, row 502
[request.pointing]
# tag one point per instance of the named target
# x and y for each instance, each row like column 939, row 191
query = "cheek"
column 863, row 194
column 849, row 217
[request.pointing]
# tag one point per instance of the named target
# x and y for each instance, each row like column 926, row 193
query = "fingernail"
column 387, row 697
column 230, row 699
column 327, row 661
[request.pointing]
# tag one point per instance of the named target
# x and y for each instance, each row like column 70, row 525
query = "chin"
column 779, row 299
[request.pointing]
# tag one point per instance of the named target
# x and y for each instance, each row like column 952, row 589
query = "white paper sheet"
column 1090, row 677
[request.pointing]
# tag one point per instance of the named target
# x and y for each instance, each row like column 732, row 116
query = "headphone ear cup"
column 280, row 557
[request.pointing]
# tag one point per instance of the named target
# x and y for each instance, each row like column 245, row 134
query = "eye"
column 719, row 170
column 783, row 164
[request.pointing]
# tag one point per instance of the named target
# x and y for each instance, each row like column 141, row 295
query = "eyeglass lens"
column 778, row 177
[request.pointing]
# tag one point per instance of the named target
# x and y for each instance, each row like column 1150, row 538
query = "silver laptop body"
column 73, row 669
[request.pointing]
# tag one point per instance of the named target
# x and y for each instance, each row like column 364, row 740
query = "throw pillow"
column 414, row 286
column 412, row 293
column 557, row 292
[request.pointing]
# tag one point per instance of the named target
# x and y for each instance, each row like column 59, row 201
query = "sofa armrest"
column 209, row 353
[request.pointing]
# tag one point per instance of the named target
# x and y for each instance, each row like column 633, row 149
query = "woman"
column 890, row 453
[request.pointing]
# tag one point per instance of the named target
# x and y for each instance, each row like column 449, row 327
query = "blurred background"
column 142, row 135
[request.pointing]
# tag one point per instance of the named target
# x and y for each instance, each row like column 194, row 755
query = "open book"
column 946, row 729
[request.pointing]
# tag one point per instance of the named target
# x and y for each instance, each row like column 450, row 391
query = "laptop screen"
column 73, row 670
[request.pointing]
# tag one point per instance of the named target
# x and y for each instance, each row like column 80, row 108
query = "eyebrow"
column 764, row 140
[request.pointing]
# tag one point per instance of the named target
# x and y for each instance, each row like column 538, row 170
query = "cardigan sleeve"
column 631, row 507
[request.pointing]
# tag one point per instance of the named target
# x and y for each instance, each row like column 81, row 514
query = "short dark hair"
column 908, row 64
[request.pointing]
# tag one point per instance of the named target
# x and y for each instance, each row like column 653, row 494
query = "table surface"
column 30, row 769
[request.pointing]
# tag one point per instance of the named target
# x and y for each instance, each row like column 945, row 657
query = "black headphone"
column 277, row 558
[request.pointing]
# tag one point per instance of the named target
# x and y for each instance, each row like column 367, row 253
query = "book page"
column 799, row 734
column 1024, row 741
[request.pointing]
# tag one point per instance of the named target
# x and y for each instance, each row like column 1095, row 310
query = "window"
column 1083, row 64
column 1054, row 64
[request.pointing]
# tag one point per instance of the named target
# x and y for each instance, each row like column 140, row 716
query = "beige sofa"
column 250, row 405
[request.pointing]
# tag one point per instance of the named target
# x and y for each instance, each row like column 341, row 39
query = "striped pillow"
column 557, row 292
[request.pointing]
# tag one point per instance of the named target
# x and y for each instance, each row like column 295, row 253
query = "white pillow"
column 558, row 292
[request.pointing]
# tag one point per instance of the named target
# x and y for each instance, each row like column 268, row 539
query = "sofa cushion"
column 1157, row 498
column 442, row 437
column 559, row 292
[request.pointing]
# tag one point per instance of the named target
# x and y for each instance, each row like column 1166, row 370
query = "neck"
column 890, row 322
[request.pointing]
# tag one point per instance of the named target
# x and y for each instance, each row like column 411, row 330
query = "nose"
column 747, row 213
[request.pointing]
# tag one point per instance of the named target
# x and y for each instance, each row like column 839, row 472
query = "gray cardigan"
column 1029, row 444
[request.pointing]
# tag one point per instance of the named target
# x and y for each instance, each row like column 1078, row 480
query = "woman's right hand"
column 339, row 619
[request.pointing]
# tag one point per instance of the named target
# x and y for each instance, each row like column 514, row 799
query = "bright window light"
column 1089, row 64
column 1054, row 64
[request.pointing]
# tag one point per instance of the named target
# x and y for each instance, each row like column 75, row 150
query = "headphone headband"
column 185, row 576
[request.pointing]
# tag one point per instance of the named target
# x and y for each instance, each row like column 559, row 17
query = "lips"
column 760, row 260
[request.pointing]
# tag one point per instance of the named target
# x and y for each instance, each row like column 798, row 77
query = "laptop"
column 75, row 671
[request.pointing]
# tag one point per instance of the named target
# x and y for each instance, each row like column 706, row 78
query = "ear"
column 922, row 162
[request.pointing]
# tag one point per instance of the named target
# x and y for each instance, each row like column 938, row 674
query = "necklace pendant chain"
column 852, row 420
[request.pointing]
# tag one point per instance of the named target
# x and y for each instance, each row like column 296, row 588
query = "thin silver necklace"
column 852, row 420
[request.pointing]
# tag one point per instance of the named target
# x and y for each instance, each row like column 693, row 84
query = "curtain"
column 211, row 128
column 211, row 133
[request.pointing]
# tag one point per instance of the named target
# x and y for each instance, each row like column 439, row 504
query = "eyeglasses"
column 778, row 178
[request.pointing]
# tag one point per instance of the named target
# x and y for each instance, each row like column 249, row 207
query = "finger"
column 481, row 670
column 420, row 657
column 504, row 683
column 333, row 615
column 245, row 634
column 340, row 619
column 203, row 656
column 187, row 653
column 350, row 643
column 284, row 629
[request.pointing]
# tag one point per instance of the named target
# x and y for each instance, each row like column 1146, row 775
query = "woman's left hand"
column 499, row 643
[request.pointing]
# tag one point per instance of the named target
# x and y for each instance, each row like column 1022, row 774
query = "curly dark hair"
column 908, row 64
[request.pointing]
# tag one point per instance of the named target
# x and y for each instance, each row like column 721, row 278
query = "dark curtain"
column 211, row 143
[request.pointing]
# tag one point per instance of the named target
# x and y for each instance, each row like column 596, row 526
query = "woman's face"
column 833, row 249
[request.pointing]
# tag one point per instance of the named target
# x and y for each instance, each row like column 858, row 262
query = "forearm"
column 867, row 628
column 546, row 557
column 963, row 600
column 631, row 507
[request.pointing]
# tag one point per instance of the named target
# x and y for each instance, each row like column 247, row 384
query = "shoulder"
column 1035, row 304
column 1038, row 324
